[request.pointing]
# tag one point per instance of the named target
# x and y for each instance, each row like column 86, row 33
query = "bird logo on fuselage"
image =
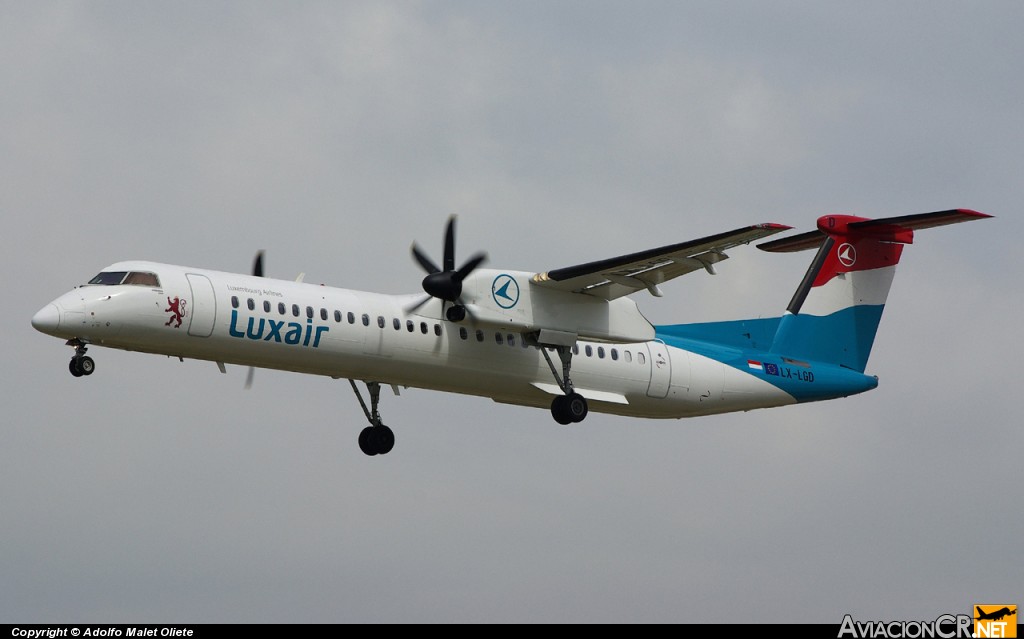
column 505, row 291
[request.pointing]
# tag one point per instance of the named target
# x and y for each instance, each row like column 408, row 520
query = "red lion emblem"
column 177, row 311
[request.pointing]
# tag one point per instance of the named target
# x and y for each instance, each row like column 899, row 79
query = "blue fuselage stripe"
column 805, row 379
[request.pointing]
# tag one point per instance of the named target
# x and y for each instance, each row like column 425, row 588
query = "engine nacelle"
column 509, row 300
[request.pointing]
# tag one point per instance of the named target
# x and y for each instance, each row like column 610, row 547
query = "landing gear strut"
column 80, row 364
column 375, row 439
column 570, row 408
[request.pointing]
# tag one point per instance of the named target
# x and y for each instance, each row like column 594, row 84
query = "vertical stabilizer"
column 834, row 314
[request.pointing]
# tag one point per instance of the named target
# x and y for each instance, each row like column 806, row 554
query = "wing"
column 618, row 276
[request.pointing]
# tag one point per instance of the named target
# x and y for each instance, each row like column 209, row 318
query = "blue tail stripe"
column 844, row 337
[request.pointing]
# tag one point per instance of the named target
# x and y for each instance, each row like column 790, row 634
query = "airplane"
column 570, row 340
column 995, row 615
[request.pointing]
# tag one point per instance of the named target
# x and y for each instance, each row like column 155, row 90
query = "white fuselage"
column 252, row 321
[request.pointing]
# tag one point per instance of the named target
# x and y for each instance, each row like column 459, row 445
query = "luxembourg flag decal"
column 754, row 365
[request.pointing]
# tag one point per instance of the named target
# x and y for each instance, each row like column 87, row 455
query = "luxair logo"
column 268, row 330
column 505, row 291
column 995, row 620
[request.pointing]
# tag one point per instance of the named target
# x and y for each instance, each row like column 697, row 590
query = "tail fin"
column 834, row 315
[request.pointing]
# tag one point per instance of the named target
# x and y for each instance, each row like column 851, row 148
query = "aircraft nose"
column 47, row 319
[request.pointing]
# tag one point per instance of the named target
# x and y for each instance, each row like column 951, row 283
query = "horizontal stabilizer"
column 792, row 244
column 887, row 229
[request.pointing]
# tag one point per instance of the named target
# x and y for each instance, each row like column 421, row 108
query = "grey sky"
column 334, row 134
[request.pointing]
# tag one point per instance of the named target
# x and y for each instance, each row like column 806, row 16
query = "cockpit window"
column 142, row 279
column 111, row 278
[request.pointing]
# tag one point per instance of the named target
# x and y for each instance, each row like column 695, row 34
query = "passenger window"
column 396, row 323
column 628, row 356
column 351, row 317
column 479, row 335
column 497, row 338
column 410, row 326
column 295, row 310
column 366, row 319
column 380, row 321
column 463, row 333
column 337, row 316
column 423, row 327
column 281, row 308
column 266, row 306
column 437, row 330
column 615, row 355
column 589, row 351
column 640, row 358
column 251, row 304
column 234, row 301
column 309, row 312
column 323, row 313
column 511, row 340
column 600, row 352
column 575, row 349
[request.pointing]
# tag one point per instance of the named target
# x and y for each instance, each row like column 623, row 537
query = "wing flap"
column 626, row 274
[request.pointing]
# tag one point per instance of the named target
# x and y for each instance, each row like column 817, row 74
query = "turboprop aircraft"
column 571, row 339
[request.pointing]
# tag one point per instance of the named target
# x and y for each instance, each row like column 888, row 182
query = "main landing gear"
column 375, row 439
column 570, row 408
column 80, row 364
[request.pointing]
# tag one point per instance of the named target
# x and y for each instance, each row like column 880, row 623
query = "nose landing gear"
column 81, row 364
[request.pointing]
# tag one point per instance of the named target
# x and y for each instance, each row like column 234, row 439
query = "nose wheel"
column 81, row 364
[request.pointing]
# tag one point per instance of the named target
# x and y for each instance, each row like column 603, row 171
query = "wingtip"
column 973, row 213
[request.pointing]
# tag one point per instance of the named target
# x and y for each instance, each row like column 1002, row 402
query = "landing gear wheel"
column 376, row 440
column 86, row 365
column 569, row 409
column 576, row 406
column 560, row 410
column 73, row 367
column 366, row 441
column 385, row 439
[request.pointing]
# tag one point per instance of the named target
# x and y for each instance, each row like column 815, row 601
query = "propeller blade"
column 249, row 377
column 449, row 245
column 471, row 264
column 257, row 265
column 415, row 307
column 424, row 261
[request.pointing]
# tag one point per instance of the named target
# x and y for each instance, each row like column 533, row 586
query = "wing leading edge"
column 618, row 276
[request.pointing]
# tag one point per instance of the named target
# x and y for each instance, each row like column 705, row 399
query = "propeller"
column 257, row 270
column 257, row 264
column 446, row 284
